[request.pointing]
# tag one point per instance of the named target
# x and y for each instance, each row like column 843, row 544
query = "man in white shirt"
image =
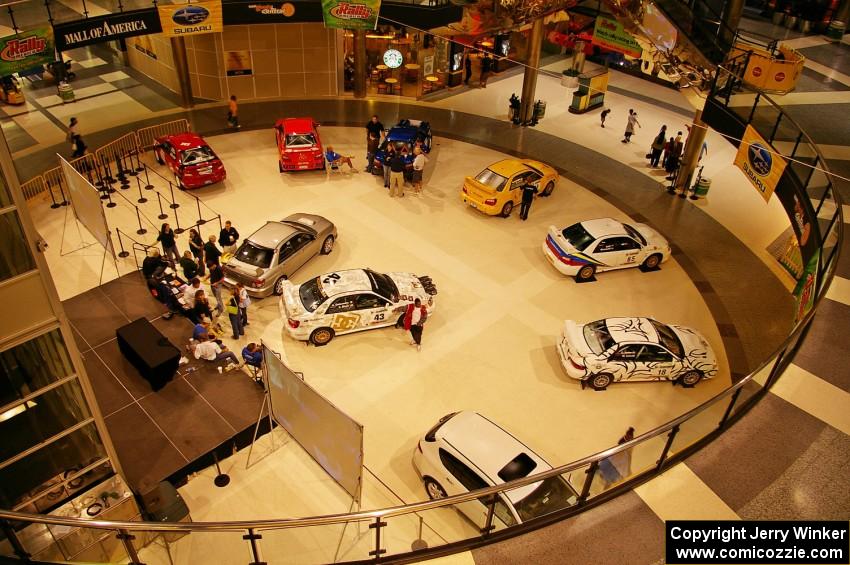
column 190, row 291
column 418, row 167
column 209, row 350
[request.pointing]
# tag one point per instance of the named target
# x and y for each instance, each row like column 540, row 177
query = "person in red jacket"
column 414, row 318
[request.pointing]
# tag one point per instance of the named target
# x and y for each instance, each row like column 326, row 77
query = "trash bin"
column 835, row 30
column 539, row 110
column 701, row 188
column 66, row 92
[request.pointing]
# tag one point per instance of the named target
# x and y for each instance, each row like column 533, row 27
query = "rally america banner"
column 359, row 14
column 760, row 164
column 179, row 20
column 609, row 34
column 110, row 27
column 25, row 50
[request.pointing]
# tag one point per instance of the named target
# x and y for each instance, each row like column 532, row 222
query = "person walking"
column 212, row 253
column 196, row 246
column 657, row 147
column 630, row 126
column 169, row 246
column 415, row 316
column 389, row 153
column 233, row 113
column 78, row 146
column 244, row 302
column 72, row 129
column 372, row 142
column 216, row 284
column 528, row 192
column 604, row 115
column 397, row 174
column 234, row 315
column 228, row 237
column 187, row 263
column 419, row 161
column 467, row 67
column 486, row 67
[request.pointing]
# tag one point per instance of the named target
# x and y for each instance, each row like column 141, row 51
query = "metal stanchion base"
column 148, row 187
column 64, row 203
column 174, row 206
column 671, row 191
column 694, row 197
column 141, row 231
column 99, row 183
column 683, row 195
column 201, row 222
column 221, row 480
column 55, row 205
column 111, row 205
column 142, row 200
column 104, row 196
column 124, row 254
column 132, row 173
column 178, row 231
column 162, row 216
column 139, row 169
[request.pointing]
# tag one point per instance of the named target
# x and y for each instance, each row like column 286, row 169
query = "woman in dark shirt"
column 202, row 306
column 169, row 246
column 196, row 245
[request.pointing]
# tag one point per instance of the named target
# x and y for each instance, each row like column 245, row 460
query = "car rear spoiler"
column 428, row 285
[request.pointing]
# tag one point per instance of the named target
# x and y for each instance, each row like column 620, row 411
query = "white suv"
column 465, row 451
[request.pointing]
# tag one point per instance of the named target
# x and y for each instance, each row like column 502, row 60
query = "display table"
column 149, row 352
column 391, row 85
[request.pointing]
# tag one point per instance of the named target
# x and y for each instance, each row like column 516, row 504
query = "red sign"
column 347, row 11
column 756, row 71
column 17, row 49
column 780, row 77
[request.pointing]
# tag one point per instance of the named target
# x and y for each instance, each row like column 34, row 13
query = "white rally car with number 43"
column 350, row 301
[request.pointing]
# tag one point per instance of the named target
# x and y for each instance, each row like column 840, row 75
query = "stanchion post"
column 139, row 167
column 111, row 204
column 122, row 253
column 201, row 220
column 141, row 230
column 178, row 230
column 99, row 182
column 174, row 205
column 131, row 170
column 141, row 199
column 53, row 198
column 162, row 215
column 148, row 185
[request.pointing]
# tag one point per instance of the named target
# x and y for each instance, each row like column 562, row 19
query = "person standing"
column 528, row 192
column 228, row 237
column 211, row 251
column 389, row 153
column 630, row 126
column 371, row 149
column 397, row 174
column 169, row 246
column 233, row 113
column 244, row 302
column 187, row 263
column 668, row 150
column 418, row 168
column 604, row 115
column 415, row 316
column 202, row 309
column 72, row 129
column 234, row 315
column 467, row 66
column 486, row 67
column 216, row 284
column 78, row 146
column 657, row 147
column 375, row 127
column 196, row 246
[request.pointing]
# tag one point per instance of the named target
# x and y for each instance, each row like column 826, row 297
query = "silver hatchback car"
column 270, row 255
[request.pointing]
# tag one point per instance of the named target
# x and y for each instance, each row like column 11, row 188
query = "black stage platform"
column 165, row 434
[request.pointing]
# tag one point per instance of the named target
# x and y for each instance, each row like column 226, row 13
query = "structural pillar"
column 732, row 11
column 690, row 155
column 842, row 14
column 181, row 66
column 360, row 63
column 529, row 78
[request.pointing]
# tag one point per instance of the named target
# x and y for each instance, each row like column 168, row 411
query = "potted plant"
column 569, row 77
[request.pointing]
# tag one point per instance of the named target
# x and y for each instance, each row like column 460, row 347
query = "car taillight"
column 490, row 202
column 293, row 323
column 465, row 191
column 257, row 283
column 576, row 365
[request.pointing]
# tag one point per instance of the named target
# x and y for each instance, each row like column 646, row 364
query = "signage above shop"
column 241, row 13
column 360, row 14
column 105, row 28
column 609, row 34
column 178, row 20
column 393, row 58
column 25, row 50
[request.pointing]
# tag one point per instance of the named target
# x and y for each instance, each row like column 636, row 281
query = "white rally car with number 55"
column 350, row 301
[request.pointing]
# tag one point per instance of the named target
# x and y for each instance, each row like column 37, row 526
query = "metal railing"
column 637, row 461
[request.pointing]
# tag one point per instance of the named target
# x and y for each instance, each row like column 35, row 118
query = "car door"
column 623, row 362
column 374, row 310
column 172, row 157
column 515, row 186
column 341, row 315
column 460, row 479
column 656, row 362
column 616, row 252
column 292, row 253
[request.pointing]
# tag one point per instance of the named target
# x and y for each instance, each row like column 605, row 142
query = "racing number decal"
column 345, row 322
column 331, row 278
column 662, row 372
column 406, row 298
column 379, row 317
column 631, row 258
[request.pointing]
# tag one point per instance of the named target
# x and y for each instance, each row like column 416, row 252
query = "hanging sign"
column 178, row 20
column 240, row 13
column 760, row 164
column 26, row 49
column 359, row 14
column 609, row 34
column 238, row 63
column 99, row 29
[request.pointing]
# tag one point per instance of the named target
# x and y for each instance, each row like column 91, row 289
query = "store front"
column 403, row 62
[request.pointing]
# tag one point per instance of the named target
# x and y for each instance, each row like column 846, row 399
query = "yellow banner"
column 760, row 164
column 190, row 19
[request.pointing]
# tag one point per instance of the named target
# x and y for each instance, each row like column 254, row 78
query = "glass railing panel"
column 625, row 464
column 317, row 544
column 752, row 388
column 529, row 502
column 77, row 545
column 699, row 426
column 190, row 548
column 432, row 528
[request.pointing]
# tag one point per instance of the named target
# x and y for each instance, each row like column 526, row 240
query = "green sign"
column 26, row 49
column 804, row 292
column 609, row 34
column 357, row 14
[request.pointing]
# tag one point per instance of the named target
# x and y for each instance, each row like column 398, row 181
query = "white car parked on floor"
column 634, row 349
column 465, row 451
column 350, row 301
column 582, row 249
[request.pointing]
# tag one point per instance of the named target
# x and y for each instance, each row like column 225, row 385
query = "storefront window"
column 28, row 367
column 15, row 256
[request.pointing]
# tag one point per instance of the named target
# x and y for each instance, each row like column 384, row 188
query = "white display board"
column 329, row 435
column 87, row 205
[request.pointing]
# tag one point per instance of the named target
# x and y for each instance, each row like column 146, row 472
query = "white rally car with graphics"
column 634, row 349
column 582, row 249
column 350, row 301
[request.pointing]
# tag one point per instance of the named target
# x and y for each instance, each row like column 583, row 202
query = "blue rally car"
column 404, row 136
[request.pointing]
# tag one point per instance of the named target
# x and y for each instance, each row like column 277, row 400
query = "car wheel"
column 328, row 245
column 158, row 156
column 690, row 379
column 652, row 261
column 507, row 209
column 278, row 286
column 600, row 381
column 550, row 186
column 321, row 336
column 586, row 273
column 434, row 489
column 279, row 166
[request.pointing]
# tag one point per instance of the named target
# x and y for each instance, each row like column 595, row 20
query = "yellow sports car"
column 497, row 189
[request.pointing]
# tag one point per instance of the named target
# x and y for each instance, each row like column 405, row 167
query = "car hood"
column 652, row 237
column 412, row 285
column 697, row 350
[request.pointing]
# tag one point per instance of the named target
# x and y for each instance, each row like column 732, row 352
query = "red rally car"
column 298, row 144
column 192, row 161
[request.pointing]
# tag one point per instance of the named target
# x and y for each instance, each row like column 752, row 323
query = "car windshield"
column 254, row 255
column 491, row 179
column 597, row 337
column 668, row 339
column 198, row 155
column 552, row 495
column 311, row 294
column 635, row 234
column 577, row 236
column 383, row 285
column 300, row 140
